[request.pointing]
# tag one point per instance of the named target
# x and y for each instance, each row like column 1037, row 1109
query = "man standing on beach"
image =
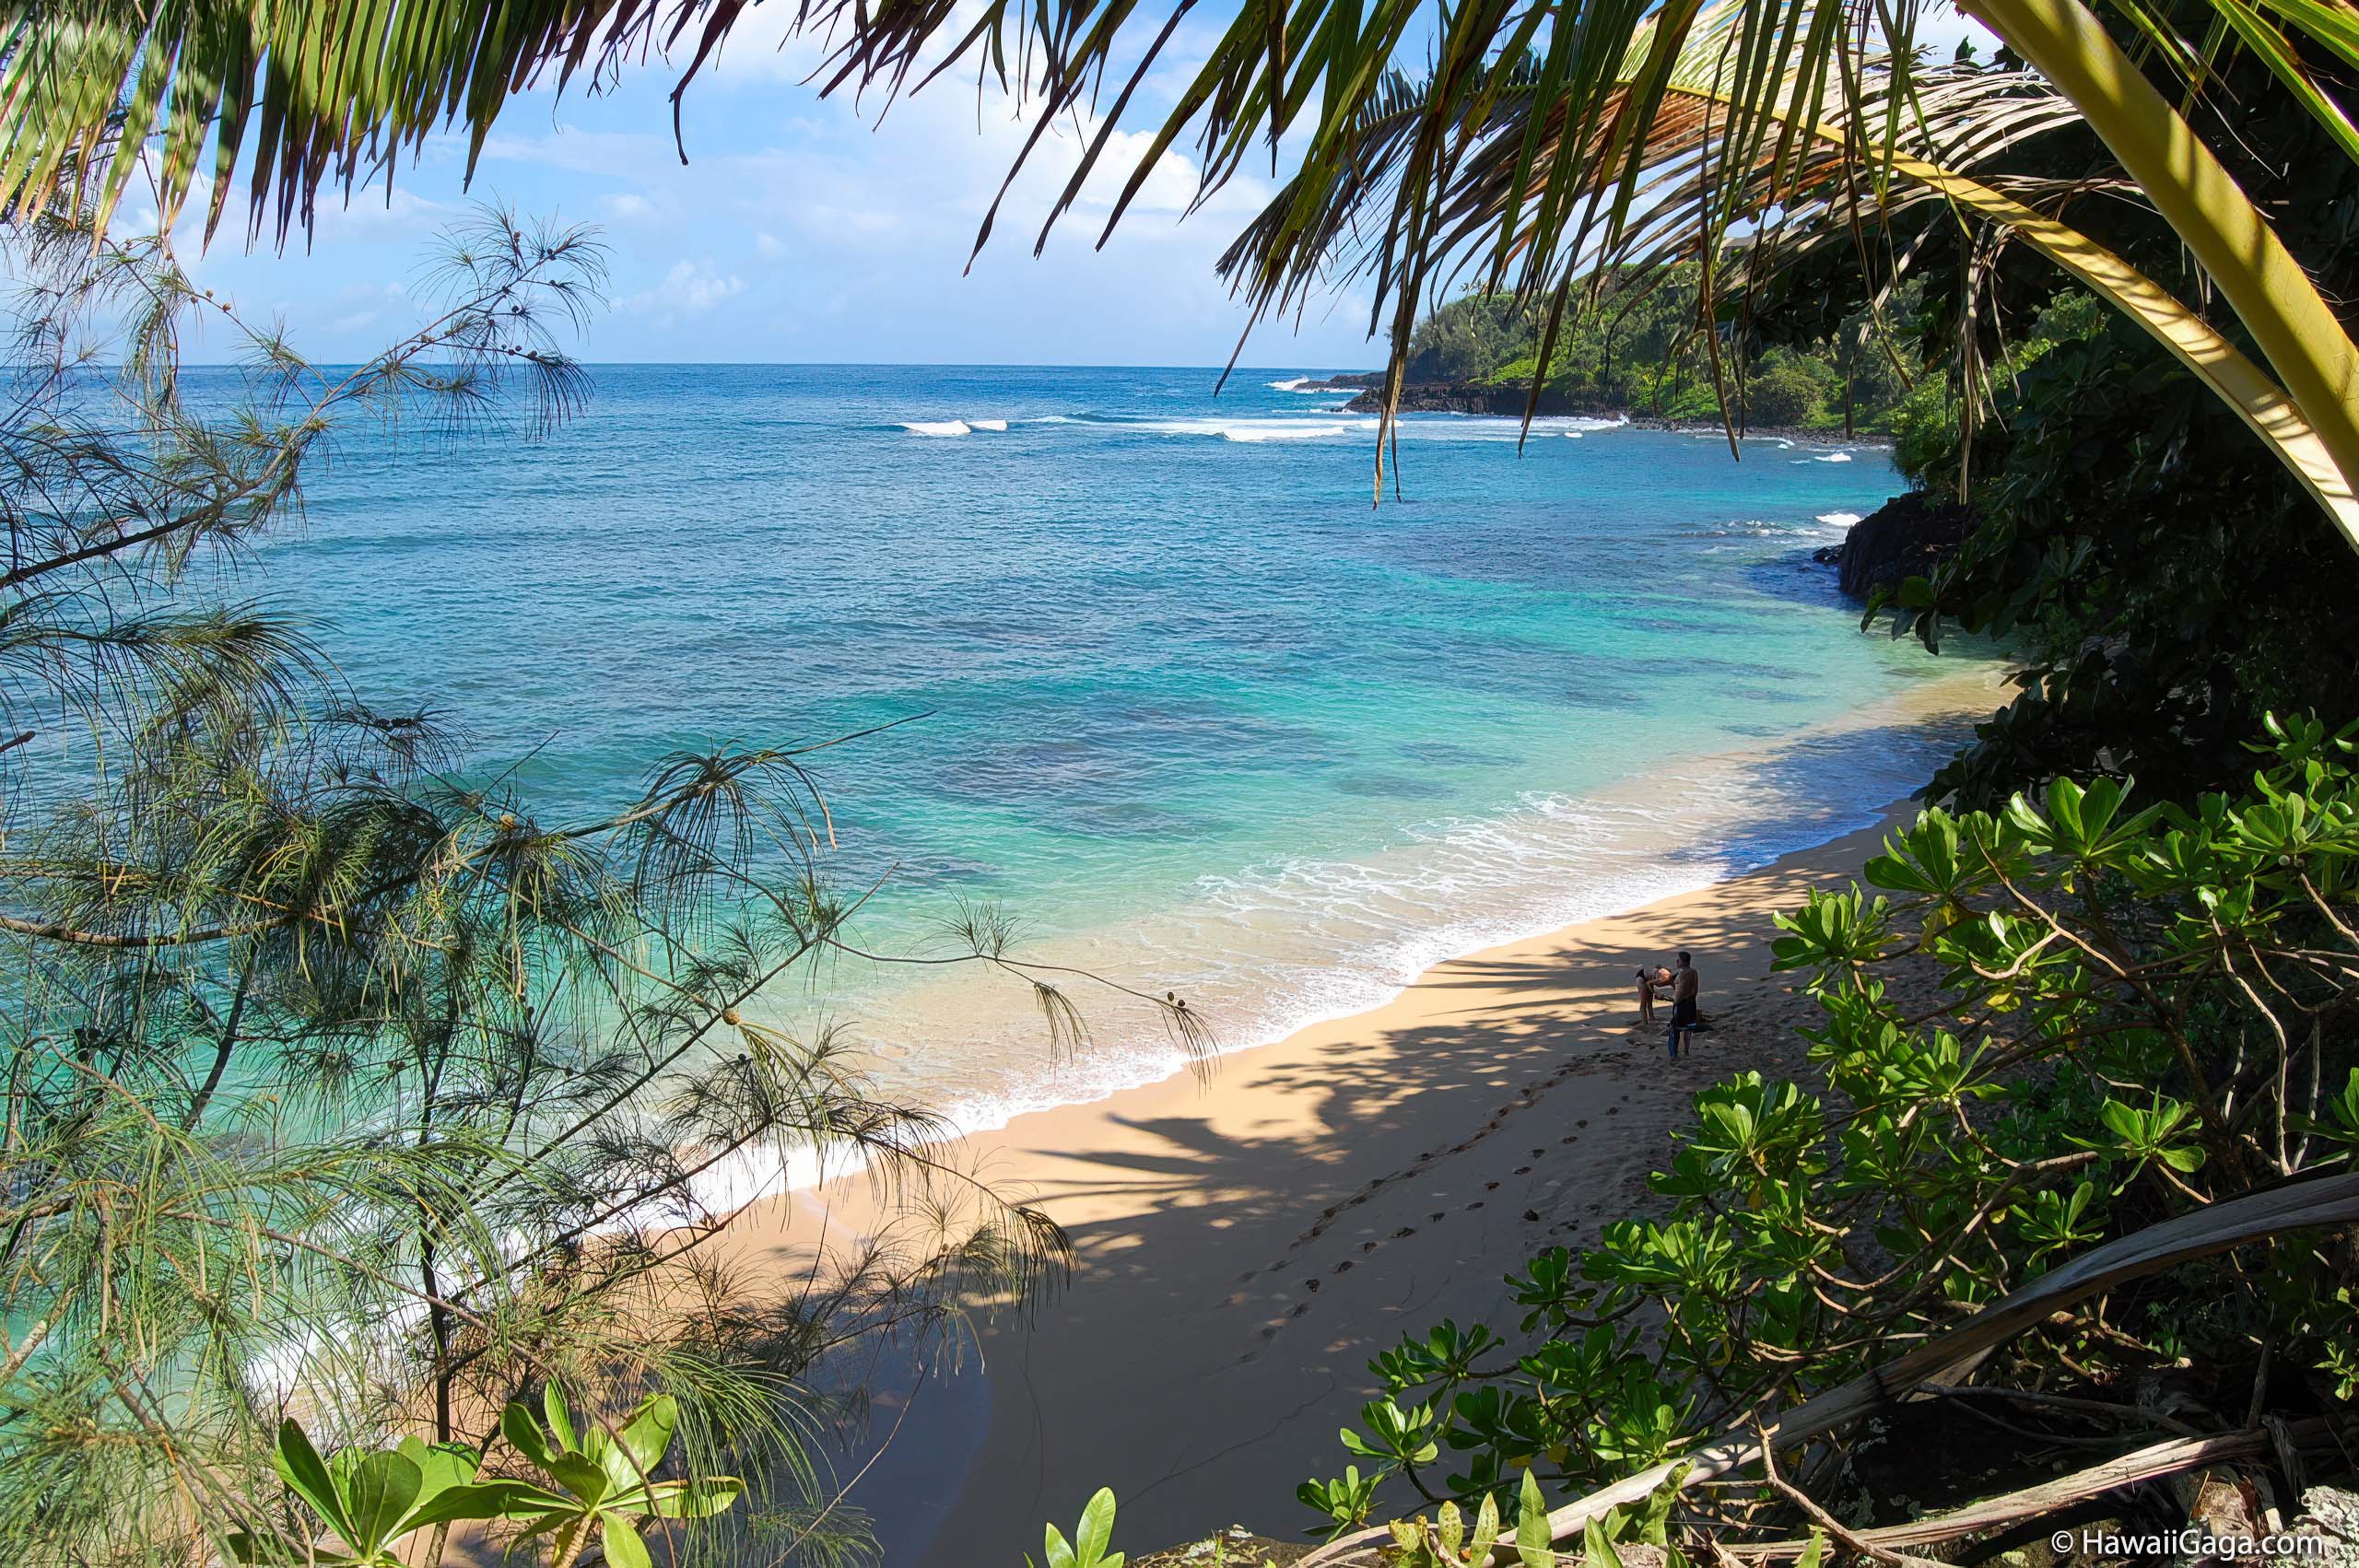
column 1683, row 984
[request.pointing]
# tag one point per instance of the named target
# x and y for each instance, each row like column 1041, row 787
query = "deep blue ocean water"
column 1196, row 714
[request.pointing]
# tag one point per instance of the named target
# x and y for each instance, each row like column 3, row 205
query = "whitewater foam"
column 1838, row 519
column 1284, row 427
column 1284, row 944
column 1264, row 433
column 1243, row 429
column 937, row 427
column 988, row 424
column 1290, row 384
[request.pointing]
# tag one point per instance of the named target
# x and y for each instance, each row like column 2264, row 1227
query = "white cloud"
column 689, row 289
column 812, row 228
column 628, row 206
column 619, row 155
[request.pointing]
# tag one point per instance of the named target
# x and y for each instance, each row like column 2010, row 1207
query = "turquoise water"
column 1194, row 713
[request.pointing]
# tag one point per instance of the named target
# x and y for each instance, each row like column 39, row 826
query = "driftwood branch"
column 1946, row 1356
column 1861, row 1542
column 2174, row 1457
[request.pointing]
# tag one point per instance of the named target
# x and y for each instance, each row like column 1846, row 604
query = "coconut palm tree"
column 1536, row 141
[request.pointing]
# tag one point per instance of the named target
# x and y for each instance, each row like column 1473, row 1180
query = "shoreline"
column 1245, row 1241
column 1947, row 698
column 1482, row 398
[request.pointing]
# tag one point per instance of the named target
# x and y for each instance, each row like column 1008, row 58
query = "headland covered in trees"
column 1631, row 347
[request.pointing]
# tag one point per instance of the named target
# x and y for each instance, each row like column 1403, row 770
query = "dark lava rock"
column 1905, row 537
column 1470, row 397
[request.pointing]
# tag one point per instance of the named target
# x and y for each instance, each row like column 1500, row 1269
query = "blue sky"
column 803, row 230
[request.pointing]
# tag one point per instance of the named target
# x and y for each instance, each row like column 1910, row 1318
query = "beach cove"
column 1245, row 1241
column 1144, row 672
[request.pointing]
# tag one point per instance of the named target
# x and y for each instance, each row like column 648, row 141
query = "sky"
column 803, row 229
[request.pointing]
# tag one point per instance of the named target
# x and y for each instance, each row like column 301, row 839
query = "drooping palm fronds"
column 1841, row 182
column 328, row 94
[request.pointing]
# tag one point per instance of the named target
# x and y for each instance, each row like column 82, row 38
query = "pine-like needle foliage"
column 341, row 1082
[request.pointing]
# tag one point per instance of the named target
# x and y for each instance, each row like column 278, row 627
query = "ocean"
column 1162, row 685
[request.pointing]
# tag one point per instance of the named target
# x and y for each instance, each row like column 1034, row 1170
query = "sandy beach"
column 1246, row 1242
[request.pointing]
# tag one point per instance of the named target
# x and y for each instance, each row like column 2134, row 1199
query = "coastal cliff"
column 1905, row 537
column 1461, row 397
column 1506, row 400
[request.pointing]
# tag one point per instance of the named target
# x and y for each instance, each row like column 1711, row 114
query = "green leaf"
column 1597, row 1547
column 377, row 1498
column 485, row 1500
column 523, row 1433
column 441, row 1465
column 1059, row 1552
column 1533, row 1546
column 560, row 1424
column 647, row 1436
column 1097, row 1528
column 625, row 1548
column 584, row 1477
column 303, row 1470
column 699, row 1499
column 521, row 1500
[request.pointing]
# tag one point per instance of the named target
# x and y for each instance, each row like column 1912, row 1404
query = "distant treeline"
column 1633, row 345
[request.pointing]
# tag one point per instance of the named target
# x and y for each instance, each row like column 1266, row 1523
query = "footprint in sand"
column 1406, row 1231
column 1435, row 1215
column 1583, row 1122
column 1537, row 1153
column 1367, row 1247
column 1490, row 1187
column 1570, row 1138
column 1531, row 1216
column 1612, row 1110
column 1310, row 1285
column 1300, row 1307
column 1344, row 1266
column 1477, row 1204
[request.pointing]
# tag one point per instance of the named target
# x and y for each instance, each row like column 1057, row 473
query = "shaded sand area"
column 1244, row 1244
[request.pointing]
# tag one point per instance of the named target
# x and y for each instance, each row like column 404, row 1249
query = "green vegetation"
column 2161, row 578
column 2080, row 1115
column 2135, row 1029
column 600, row 1484
column 1633, row 346
column 1090, row 1538
column 346, row 1082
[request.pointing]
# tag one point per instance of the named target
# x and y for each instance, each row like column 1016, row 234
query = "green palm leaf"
column 1544, row 133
